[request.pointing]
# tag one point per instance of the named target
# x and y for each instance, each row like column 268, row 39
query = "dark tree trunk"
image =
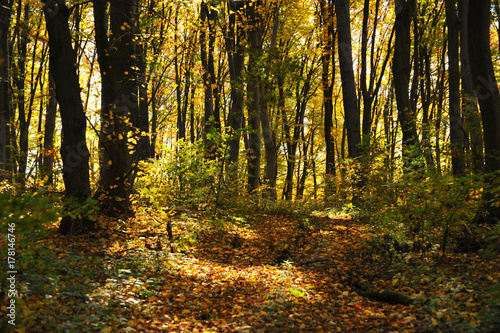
column 121, row 117
column 74, row 152
column 236, row 58
column 208, row 79
column 488, row 95
column 401, row 71
column 456, row 132
column 5, row 96
column 470, row 111
column 254, row 21
column 328, row 80
column 48, row 135
column 302, row 96
column 351, row 109
column 267, row 131
column 19, row 79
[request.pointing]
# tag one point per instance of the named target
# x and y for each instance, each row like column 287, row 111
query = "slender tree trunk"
column 351, row 109
column 236, row 58
column 456, row 133
column 19, row 83
column 208, row 80
column 5, row 96
column 48, row 134
column 74, row 151
column 401, row 71
column 488, row 95
column 470, row 111
column 302, row 96
column 328, row 81
column 267, row 131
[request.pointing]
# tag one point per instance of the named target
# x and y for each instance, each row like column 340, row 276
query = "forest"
column 250, row 166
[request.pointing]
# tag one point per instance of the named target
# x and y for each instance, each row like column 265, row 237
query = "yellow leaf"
column 110, row 162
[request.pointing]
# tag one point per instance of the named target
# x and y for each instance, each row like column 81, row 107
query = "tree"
column 236, row 63
column 470, row 111
column 74, row 151
column 456, row 132
column 5, row 96
column 255, row 28
column 401, row 69
column 267, row 131
column 351, row 109
column 122, row 120
column 328, row 35
column 208, row 17
column 488, row 95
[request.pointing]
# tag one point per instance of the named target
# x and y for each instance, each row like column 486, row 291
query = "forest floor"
column 271, row 273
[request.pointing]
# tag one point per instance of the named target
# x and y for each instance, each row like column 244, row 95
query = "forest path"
column 271, row 273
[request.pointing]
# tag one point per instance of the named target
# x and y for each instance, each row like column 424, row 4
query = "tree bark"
column 456, row 133
column 488, row 95
column 351, row 109
column 267, row 131
column 401, row 71
column 253, row 92
column 121, row 117
column 5, row 96
column 470, row 111
column 74, row 151
column 328, row 81
column 48, row 135
column 236, row 60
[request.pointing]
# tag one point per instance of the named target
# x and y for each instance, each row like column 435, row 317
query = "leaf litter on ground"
column 275, row 273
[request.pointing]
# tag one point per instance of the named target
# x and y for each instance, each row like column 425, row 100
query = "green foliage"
column 30, row 214
column 422, row 207
column 183, row 177
column 78, row 210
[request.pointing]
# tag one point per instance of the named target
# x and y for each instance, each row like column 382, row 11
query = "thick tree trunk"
column 351, row 109
column 488, row 96
column 470, row 111
column 401, row 71
column 267, row 131
column 121, row 117
column 5, row 97
column 74, row 152
column 253, row 92
column 456, row 132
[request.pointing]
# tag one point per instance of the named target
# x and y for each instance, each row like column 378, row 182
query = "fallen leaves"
column 229, row 280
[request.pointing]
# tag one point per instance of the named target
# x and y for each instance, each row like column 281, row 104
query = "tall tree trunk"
column 488, row 96
column 470, row 111
column 254, row 21
column 401, row 69
column 48, row 134
column 5, row 96
column 120, row 103
column 74, row 151
column 267, row 131
column 208, row 79
column 351, row 109
column 456, row 133
column 19, row 83
column 328, row 80
column 236, row 58
column 302, row 96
